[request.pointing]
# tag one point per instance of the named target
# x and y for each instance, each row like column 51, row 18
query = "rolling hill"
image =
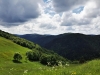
column 74, row 46
column 37, row 52
column 39, row 39
column 7, row 66
column 10, row 44
column 8, row 48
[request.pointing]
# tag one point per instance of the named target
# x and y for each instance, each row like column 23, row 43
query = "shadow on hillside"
column 15, row 61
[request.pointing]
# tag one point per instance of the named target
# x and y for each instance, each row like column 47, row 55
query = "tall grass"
column 35, row 68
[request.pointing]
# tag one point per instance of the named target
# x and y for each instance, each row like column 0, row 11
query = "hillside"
column 76, row 46
column 39, row 39
column 7, row 67
column 8, row 48
column 73, row 46
column 10, row 44
column 36, row 53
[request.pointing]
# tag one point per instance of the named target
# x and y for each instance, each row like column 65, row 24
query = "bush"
column 44, row 59
column 49, row 60
column 17, row 57
column 33, row 55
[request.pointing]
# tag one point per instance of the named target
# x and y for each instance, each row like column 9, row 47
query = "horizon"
column 51, row 34
column 50, row 17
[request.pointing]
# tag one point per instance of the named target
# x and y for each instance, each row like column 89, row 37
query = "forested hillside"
column 76, row 46
column 73, row 46
column 39, row 39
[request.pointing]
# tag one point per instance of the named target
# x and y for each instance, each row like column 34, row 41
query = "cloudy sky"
column 50, row 16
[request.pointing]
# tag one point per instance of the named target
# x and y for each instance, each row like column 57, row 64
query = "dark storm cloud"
column 65, row 5
column 13, row 12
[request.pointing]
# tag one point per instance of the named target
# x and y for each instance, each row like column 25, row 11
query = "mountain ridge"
column 73, row 46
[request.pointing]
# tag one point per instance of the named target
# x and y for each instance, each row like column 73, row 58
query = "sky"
column 50, row 16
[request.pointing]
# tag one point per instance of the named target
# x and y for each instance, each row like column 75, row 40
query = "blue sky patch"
column 45, row 1
column 78, row 10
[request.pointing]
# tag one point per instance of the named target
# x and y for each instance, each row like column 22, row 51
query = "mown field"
column 7, row 67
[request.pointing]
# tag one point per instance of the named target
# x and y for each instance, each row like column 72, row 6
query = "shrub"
column 49, row 60
column 17, row 57
column 33, row 55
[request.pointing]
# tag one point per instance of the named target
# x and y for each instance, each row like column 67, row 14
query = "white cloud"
column 58, row 17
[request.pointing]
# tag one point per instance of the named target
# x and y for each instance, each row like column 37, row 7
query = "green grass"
column 35, row 68
column 8, row 48
column 7, row 67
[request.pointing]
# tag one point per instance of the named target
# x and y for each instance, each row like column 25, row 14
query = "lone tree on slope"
column 17, row 57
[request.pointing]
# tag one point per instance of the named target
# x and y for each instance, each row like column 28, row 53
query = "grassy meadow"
column 7, row 67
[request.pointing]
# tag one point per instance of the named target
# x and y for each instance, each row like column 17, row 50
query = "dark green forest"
column 74, row 46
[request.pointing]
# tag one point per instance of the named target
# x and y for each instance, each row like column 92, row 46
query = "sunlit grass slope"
column 8, row 48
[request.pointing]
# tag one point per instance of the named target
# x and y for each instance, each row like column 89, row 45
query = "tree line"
column 45, row 59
